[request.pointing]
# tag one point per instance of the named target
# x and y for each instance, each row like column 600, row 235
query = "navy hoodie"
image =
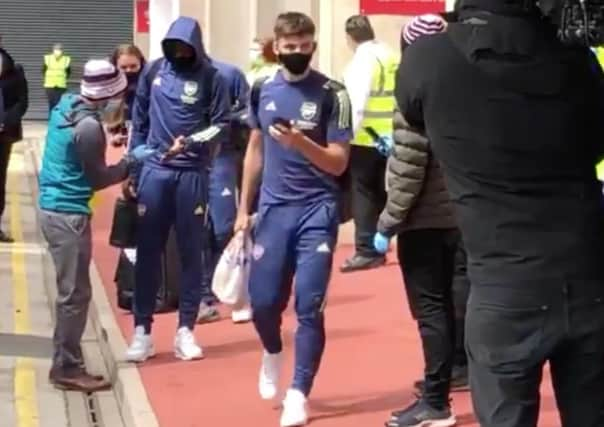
column 173, row 104
column 238, row 90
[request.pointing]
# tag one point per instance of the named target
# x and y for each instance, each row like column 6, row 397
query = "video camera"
column 578, row 22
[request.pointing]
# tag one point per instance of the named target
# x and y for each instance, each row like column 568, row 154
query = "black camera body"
column 578, row 22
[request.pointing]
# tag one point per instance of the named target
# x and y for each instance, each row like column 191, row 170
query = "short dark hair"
column 294, row 24
column 359, row 28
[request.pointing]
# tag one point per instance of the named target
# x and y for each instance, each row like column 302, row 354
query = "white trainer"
column 141, row 348
column 294, row 412
column 242, row 316
column 185, row 346
column 270, row 372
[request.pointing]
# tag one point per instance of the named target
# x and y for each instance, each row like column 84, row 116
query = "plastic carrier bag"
column 231, row 276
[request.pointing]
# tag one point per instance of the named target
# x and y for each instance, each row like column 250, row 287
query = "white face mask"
column 255, row 53
column 58, row 52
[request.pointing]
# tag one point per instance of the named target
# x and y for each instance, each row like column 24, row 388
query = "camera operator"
column 515, row 118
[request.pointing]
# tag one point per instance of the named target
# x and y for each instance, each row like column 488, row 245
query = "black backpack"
column 344, row 180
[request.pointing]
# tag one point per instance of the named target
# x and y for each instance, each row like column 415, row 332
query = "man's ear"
column 275, row 48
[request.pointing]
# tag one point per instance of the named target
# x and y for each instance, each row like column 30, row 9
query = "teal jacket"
column 73, row 166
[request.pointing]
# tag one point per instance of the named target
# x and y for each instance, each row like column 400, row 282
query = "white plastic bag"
column 230, row 281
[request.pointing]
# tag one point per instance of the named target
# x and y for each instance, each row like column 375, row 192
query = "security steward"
column 369, row 79
column 56, row 69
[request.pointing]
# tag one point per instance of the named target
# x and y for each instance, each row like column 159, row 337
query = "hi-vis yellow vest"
column 380, row 105
column 56, row 71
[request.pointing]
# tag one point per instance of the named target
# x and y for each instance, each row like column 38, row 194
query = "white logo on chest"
column 190, row 89
column 308, row 110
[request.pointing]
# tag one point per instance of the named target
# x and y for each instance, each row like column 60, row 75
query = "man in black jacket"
column 13, row 105
column 515, row 119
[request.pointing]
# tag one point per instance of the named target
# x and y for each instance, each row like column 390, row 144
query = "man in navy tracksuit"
column 224, row 188
column 181, row 95
column 299, row 145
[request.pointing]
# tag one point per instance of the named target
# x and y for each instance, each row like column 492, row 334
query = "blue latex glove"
column 384, row 145
column 141, row 153
column 381, row 243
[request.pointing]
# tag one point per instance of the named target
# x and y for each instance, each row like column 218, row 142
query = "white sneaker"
column 185, row 347
column 270, row 372
column 242, row 316
column 141, row 348
column 294, row 409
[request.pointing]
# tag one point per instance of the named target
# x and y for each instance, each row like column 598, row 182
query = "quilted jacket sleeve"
column 406, row 174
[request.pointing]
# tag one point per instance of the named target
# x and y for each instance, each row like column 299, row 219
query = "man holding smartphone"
column 299, row 146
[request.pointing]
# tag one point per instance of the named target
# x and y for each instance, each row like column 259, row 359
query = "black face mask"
column 182, row 64
column 295, row 63
column 132, row 78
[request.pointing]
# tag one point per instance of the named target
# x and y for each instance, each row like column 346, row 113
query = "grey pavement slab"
column 26, row 274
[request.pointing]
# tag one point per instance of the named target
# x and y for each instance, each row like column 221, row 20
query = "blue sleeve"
column 140, row 110
column 339, row 126
column 220, row 115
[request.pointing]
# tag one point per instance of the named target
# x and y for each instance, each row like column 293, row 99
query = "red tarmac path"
column 371, row 359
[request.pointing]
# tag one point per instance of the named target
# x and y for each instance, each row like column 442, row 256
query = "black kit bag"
column 123, row 227
column 167, row 295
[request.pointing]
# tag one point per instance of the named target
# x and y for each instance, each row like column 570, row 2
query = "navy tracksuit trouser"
column 166, row 197
column 293, row 240
column 223, row 202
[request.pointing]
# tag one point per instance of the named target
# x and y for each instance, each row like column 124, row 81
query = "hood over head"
column 520, row 51
column 187, row 30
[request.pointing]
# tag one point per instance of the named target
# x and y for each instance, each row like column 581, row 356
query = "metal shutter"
column 86, row 28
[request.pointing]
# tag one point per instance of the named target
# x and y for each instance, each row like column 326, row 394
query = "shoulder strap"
column 255, row 93
column 331, row 87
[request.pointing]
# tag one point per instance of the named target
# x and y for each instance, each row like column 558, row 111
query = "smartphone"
column 283, row 122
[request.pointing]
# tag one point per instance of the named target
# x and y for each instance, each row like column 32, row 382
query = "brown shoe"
column 53, row 375
column 83, row 382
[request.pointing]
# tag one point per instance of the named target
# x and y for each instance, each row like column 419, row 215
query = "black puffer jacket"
column 417, row 195
column 14, row 91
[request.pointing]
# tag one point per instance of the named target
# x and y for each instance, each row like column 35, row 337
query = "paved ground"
column 372, row 356
column 371, row 360
column 26, row 295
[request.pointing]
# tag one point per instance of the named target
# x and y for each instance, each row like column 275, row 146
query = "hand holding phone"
column 283, row 122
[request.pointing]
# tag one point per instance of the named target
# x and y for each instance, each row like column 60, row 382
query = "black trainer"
column 421, row 414
column 5, row 238
column 459, row 381
column 360, row 262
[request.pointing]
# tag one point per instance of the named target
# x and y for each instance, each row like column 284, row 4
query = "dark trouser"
column 54, row 96
column 461, row 292
column 294, row 240
column 513, row 328
column 368, row 170
column 223, row 201
column 69, row 240
column 5, row 149
column 427, row 260
column 166, row 197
